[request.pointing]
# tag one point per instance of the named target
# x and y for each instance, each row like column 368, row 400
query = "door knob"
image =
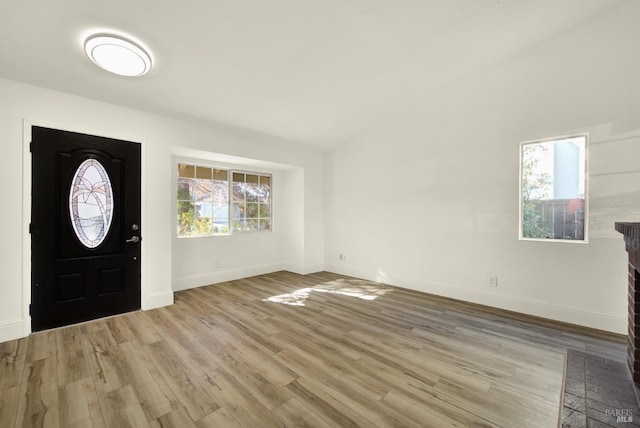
column 134, row 239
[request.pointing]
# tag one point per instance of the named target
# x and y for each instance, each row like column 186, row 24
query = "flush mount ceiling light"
column 117, row 55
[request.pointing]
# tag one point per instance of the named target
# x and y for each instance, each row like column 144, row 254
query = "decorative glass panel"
column 91, row 203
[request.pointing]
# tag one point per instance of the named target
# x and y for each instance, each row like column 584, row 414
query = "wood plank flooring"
column 320, row 350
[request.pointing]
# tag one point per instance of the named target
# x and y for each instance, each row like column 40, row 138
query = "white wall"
column 428, row 199
column 293, row 220
column 162, row 138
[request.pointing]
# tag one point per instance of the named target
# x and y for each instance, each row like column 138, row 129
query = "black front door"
column 85, row 227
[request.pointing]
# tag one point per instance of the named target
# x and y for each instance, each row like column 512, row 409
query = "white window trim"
column 230, row 170
column 587, row 198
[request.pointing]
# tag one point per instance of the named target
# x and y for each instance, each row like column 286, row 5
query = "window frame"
column 522, row 144
column 230, row 171
column 231, row 201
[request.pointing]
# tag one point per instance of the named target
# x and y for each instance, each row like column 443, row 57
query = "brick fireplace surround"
column 631, row 232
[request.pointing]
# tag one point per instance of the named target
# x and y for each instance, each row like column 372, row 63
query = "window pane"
column 265, row 180
column 264, row 194
column 264, row 225
column 238, row 192
column 221, row 227
column 252, row 193
column 186, row 218
column 220, row 191
column 252, row 211
column 202, row 190
column 251, row 178
column 238, row 177
column 185, row 189
column 187, row 171
column 553, row 189
column 265, row 211
column 237, row 211
column 203, row 173
column 204, row 209
column 239, row 226
column 220, row 211
column 252, row 225
column 203, row 223
column 220, row 174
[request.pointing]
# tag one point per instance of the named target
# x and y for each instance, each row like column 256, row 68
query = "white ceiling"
column 319, row 72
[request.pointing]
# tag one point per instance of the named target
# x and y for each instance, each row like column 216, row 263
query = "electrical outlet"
column 217, row 264
column 493, row 281
column 342, row 257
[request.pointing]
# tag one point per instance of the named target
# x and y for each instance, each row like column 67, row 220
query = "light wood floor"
column 289, row 350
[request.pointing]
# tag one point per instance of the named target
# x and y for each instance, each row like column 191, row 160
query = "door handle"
column 134, row 239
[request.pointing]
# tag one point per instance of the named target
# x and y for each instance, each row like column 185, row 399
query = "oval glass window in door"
column 91, row 203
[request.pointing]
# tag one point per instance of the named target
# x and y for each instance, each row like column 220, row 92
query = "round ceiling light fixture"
column 117, row 55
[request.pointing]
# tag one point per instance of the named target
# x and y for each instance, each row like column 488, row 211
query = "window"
column 251, row 209
column 204, row 206
column 553, row 189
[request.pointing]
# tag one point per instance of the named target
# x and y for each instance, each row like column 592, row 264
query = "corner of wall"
column 224, row 275
column 304, row 269
column 561, row 313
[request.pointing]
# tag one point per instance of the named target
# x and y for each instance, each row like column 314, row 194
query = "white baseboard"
column 597, row 320
column 224, row 275
column 17, row 328
column 13, row 329
column 157, row 300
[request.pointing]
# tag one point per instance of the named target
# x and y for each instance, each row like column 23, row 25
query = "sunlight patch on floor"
column 359, row 289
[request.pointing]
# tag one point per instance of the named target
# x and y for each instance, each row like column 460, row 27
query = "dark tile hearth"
column 598, row 392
